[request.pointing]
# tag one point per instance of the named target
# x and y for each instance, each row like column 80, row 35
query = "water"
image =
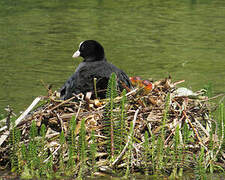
column 147, row 38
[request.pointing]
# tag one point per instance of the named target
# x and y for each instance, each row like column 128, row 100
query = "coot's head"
column 90, row 50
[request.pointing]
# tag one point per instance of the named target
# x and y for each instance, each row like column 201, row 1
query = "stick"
column 78, row 111
column 4, row 137
column 64, row 102
column 129, row 138
column 178, row 82
column 46, row 160
column 195, row 131
column 213, row 97
column 95, row 88
column 22, row 116
column 203, row 129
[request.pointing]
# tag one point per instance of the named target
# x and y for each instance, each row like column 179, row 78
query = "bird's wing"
column 69, row 87
column 121, row 77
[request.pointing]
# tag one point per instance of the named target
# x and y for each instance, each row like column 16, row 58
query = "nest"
column 161, row 111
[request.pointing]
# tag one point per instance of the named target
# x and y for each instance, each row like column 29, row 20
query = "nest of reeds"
column 156, row 127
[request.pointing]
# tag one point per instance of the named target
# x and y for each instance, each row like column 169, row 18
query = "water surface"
column 147, row 38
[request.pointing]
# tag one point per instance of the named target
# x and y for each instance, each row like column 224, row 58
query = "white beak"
column 76, row 54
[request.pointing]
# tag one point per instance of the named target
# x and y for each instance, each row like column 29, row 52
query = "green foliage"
column 24, row 151
column 32, row 160
column 153, row 152
column 43, row 131
column 177, row 139
column 82, row 141
column 83, row 147
column 14, row 142
column 185, row 133
column 29, row 158
column 222, row 107
column 72, row 142
column 129, row 152
column 159, row 154
column 160, row 140
column 221, row 120
column 112, row 89
column 2, row 116
column 111, row 94
column 95, row 88
column 71, row 161
column 33, row 131
column 62, row 140
column 211, row 149
column 110, row 115
column 176, row 153
column 165, row 116
column 43, row 154
column 200, row 168
column 221, row 126
column 93, row 150
column 72, row 128
column 122, row 123
column 32, row 149
column 146, row 152
column 49, row 166
column 32, row 155
column 208, row 89
column 128, row 162
column 114, row 118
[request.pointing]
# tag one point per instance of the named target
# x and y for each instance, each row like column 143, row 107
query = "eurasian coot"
column 93, row 66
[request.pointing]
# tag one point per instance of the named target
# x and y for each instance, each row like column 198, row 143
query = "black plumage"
column 93, row 66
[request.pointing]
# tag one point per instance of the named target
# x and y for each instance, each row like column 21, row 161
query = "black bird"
column 93, row 66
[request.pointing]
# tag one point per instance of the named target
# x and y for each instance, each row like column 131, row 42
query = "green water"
column 147, row 38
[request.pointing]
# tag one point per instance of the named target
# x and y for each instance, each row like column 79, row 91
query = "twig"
column 195, row 131
column 61, row 122
column 128, row 141
column 178, row 82
column 60, row 104
column 22, row 116
column 10, row 112
column 221, row 100
column 129, row 93
column 203, row 129
column 78, row 111
column 213, row 97
column 52, row 154
column 95, row 88
column 221, row 139
column 4, row 136
column 3, row 128
column 173, row 129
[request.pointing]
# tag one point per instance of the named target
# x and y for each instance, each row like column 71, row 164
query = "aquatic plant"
column 154, row 132
column 82, row 148
column 109, row 112
column 93, row 150
column 72, row 143
column 14, row 142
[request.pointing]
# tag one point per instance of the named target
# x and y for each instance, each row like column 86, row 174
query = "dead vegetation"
column 166, row 129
